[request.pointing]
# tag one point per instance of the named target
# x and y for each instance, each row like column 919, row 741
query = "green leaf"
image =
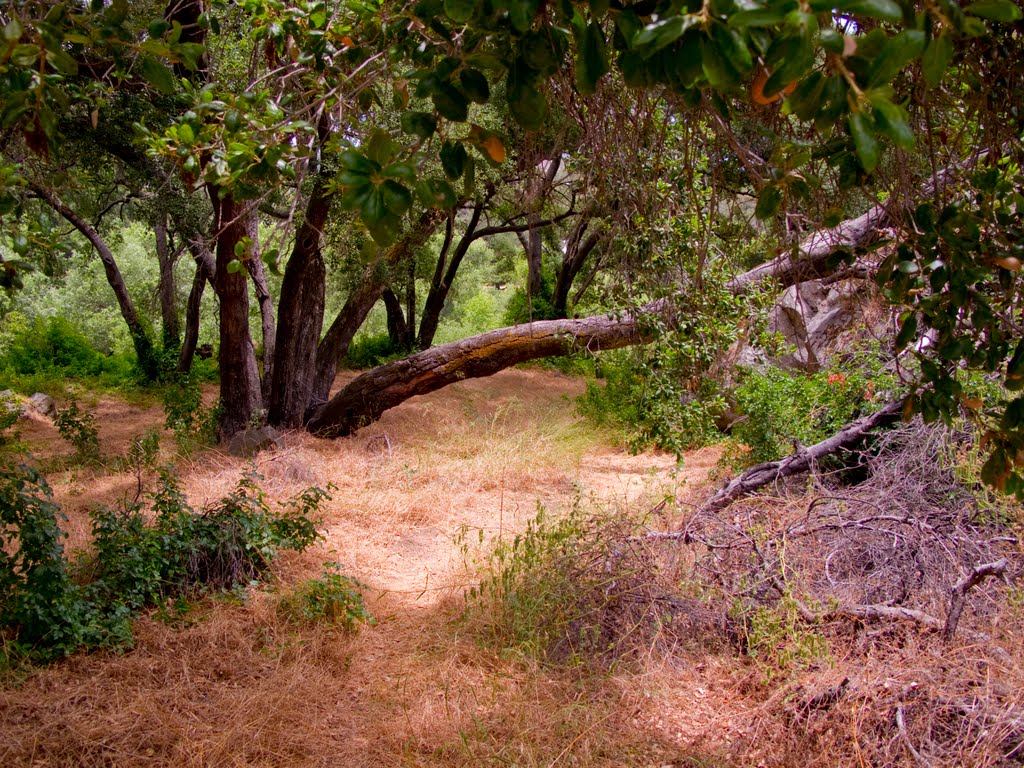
column 521, row 13
column 451, row 104
column 995, row 10
column 13, row 30
column 893, row 121
column 908, row 331
column 404, row 171
column 459, row 11
column 186, row 134
column 380, row 147
column 716, row 67
column 422, row 124
column 732, row 45
column 233, row 266
column 864, row 140
column 356, row 162
column 768, row 202
column 884, row 10
column 453, row 159
column 475, row 86
column 762, row 17
column 656, row 36
column 158, row 75
column 436, row 193
column 936, row 59
column 592, row 62
column 895, row 55
column 528, row 105
column 397, row 199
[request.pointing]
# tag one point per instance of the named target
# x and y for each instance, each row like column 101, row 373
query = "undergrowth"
column 144, row 554
column 332, row 598
column 578, row 590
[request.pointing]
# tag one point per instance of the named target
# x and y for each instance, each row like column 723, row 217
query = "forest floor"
column 231, row 684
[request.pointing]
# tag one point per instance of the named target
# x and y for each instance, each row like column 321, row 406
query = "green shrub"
column 54, row 347
column 574, row 590
column 78, row 427
column 48, row 609
column 193, row 424
column 650, row 405
column 779, row 408
column 371, row 350
column 330, row 599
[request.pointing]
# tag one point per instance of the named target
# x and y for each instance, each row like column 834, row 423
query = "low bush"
column 78, row 427
column 49, row 609
column 583, row 589
column 54, row 347
column 369, row 351
column 194, row 425
column 333, row 598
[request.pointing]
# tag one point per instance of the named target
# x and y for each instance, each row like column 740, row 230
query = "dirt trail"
column 233, row 686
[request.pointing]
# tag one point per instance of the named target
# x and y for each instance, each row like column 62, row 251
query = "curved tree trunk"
column 140, row 337
column 367, row 397
column 335, row 343
column 205, row 271
column 576, row 252
column 398, row 333
column 444, row 277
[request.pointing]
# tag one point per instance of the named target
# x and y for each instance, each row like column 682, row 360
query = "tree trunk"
column 258, row 275
column 398, row 332
column 444, row 278
column 301, row 315
column 367, row 397
column 534, row 259
column 205, row 272
column 335, row 343
column 576, row 252
column 140, row 337
column 239, row 376
column 166, row 287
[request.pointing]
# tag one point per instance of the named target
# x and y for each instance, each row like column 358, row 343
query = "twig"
column 961, row 588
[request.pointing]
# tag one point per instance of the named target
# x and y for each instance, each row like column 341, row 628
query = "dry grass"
column 234, row 685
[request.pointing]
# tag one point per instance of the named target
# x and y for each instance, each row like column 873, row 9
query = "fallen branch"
column 761, row 475
column 961, row 588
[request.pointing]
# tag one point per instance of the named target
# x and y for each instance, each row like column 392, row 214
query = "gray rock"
column 252, row 441
column 819, row 319
column 43, row 403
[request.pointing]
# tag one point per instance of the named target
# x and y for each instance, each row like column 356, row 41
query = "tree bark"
column 576, row 252
column 140, row 337
column 370, row 395
column 239, row 376
column 444, row 277
column 205, row 272
column 166, row 287
column 398, row 332
column 335, row 343
column 301, row 315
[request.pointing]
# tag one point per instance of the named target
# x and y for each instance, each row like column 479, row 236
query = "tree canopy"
column 384, row 121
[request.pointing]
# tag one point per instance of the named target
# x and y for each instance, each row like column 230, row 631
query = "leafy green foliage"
column 55, row 347
column 332, row 599
column 194, row 425
column 78, row 427
column 779, row 409
column 958, row 278
column 135, row 563
column 647, row 402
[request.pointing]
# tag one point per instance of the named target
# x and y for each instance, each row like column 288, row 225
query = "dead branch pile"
column 894, row 567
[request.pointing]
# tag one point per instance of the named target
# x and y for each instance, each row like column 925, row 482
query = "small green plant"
column 10, row 412
column 779, row 642
column 143, row 452
column 330, row 599
column 78, row 427
column 194, row 425
column 570, row 590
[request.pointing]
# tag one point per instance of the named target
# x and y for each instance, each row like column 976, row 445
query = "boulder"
column 43, row 404
column 251, row 441
column 820, row 318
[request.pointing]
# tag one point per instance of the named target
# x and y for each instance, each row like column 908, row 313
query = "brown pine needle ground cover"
column 233, row 684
